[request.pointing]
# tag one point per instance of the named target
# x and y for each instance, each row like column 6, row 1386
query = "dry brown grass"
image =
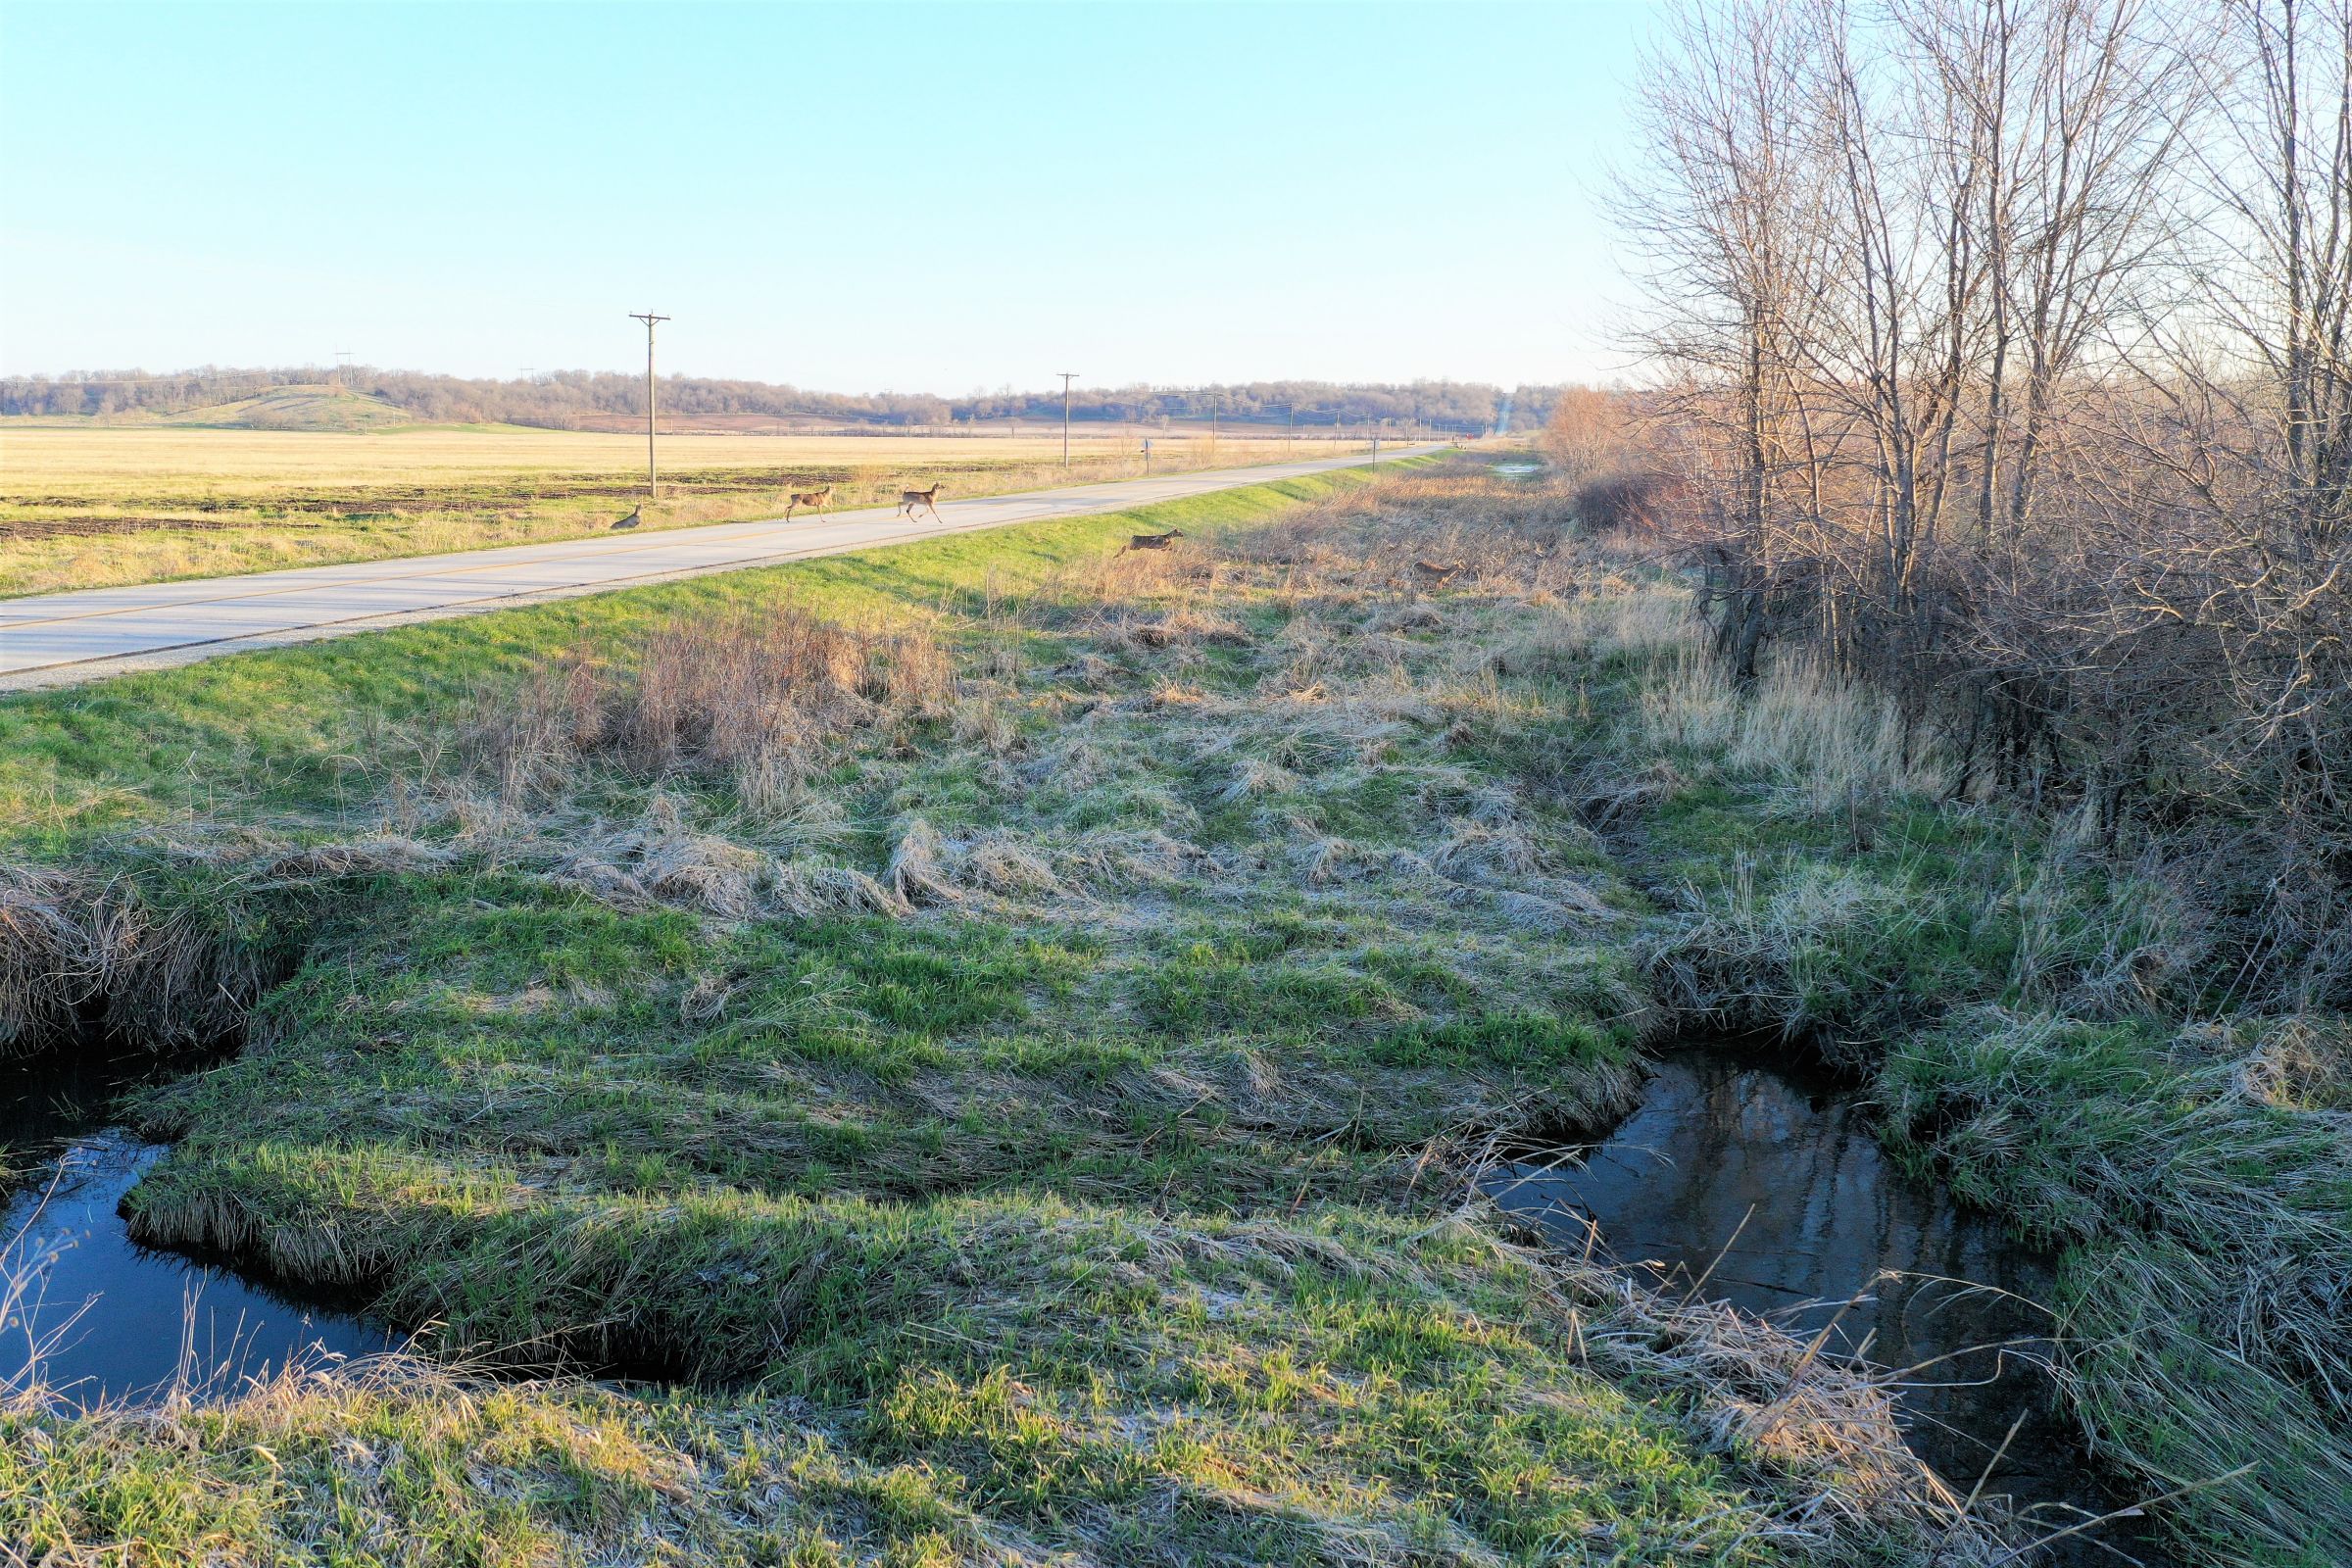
column 169, row 947
column 757, row 699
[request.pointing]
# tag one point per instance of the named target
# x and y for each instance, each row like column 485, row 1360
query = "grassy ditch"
column 1002, row 1026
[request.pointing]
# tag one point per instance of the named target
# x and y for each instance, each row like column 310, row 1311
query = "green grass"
column 1085, row 1187
column 298, row 408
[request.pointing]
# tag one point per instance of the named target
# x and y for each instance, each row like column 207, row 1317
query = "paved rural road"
column 63, row 639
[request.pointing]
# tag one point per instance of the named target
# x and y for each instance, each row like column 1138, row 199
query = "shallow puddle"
column 1769, row 1191
column 105, row 1318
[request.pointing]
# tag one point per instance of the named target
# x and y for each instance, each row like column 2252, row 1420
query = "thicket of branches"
column 558, row 398
column 2008, row 367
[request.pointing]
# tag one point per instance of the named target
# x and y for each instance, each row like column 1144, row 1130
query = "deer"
column 811, row 499
column 909, row 500
column 630, row 521
column 1430, row 574
column 1151, row 540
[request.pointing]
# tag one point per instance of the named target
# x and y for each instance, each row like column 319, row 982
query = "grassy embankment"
column 97, row 505
column 1001, row 1057
column 2047, row 1022
column 1005, row 1028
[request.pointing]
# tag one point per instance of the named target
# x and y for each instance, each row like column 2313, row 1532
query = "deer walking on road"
column 909, row 500
column 811, row 499
column 1151, row 540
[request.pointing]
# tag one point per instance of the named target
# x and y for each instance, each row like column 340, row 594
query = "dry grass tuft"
column 169, row 948
column 755, row 699
column 1823, row 740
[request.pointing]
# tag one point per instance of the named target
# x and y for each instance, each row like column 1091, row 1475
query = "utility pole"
column 1067, row 377
column 343, row 369
column 1289, row 422
column 652, row 474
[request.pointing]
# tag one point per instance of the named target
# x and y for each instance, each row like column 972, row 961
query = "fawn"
column 1151, row 540
column 909, row 500
column 811, row 499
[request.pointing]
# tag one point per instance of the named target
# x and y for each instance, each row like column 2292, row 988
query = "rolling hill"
column 298, row 408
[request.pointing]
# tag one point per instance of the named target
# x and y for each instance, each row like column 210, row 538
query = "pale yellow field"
column 85, row 506
column 100, row 463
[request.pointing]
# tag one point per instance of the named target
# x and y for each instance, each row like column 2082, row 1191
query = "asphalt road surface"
column 64, row 639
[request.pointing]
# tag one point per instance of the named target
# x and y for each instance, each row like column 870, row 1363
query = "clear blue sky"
column 851, row 198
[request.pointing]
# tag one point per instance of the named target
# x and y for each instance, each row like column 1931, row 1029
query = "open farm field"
column 91, row 505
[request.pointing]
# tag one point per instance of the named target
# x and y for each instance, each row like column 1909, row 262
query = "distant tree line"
column 561, row 398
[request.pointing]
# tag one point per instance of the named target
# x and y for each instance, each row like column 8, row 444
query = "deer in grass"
column 909, row 500
column 1429, row 575
column 811, row 499
column 633, row 519
column 1151, row 540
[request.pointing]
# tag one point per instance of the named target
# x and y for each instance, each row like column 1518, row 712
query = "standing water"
column 1754, row 1187
column 97, row 1316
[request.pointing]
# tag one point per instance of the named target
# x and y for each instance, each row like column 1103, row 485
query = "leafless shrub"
column 1638, row 504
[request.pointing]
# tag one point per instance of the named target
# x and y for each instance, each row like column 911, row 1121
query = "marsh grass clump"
column 2209, row 1280
column 164, row 943
column 1823, row 739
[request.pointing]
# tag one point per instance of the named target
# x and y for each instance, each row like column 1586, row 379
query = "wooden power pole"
column 1067, row 377
column 652, row 474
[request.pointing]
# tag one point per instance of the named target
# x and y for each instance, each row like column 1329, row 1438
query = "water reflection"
column 1771, row 1193
column 104, row 1318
